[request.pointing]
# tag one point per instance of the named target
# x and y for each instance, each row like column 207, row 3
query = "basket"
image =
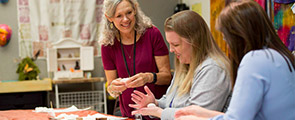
column 85, row 99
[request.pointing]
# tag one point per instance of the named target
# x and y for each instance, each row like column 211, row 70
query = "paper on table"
column 66, row 117
column 98, row 115
column 70, row 109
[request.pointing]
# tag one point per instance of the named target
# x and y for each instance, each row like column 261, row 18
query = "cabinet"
column 69, row 59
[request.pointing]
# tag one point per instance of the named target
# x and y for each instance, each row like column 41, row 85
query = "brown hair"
column 246, row 27
column 191, row 25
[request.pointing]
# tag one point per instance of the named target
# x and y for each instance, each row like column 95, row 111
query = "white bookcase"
column 61, row 60
column 64, row 56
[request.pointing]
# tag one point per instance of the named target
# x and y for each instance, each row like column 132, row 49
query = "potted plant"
column 27, row 69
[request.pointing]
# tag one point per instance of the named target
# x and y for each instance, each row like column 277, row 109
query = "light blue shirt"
column 264, row 89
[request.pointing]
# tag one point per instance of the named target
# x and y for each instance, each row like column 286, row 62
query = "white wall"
column 205, row 8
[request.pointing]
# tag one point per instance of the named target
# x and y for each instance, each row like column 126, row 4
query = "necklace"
column 129, row 53
column 123, row 53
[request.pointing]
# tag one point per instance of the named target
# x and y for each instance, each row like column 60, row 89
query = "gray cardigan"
column 210, row 88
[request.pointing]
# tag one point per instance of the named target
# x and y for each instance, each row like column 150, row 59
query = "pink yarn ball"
column 5, row 34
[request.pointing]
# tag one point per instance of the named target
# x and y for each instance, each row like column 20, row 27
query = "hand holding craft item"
column 124, row 79
column 5, row 34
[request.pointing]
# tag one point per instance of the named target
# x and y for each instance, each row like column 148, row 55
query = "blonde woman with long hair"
column 201, row 70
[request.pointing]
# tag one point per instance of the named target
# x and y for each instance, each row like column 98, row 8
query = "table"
column 19, row 94
column 30, row 115
column 80, row 99
column 25, row 86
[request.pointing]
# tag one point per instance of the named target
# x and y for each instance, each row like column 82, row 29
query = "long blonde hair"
column 107, row 34
column 190, row 25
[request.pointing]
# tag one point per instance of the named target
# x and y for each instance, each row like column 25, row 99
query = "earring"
column 112, row 25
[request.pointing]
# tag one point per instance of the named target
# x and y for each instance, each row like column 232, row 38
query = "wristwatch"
column 155, row 78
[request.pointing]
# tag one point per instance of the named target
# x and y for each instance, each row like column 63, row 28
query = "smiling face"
column 179, row 46
column 124, row 17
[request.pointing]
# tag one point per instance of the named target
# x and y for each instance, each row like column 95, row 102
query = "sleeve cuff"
column 161, row 103
column 168, row 113
column 218, row 117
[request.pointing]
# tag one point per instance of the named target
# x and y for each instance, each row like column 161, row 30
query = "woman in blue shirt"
column 263, row 67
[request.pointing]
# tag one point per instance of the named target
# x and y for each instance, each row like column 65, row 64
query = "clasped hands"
column 119, row 85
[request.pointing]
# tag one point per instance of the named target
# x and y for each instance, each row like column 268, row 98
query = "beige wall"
column 205, row 8
column 8, row 15
column 158, row 10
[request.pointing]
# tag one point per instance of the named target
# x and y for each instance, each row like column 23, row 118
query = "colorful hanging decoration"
column 284, row 1
column 5, row 34
column 40, row 27
column 284, row 23
column 291, row 39
column 215, row 9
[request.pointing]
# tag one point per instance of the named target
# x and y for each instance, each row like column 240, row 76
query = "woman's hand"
column 141, row 100
column 117, row 86
column 139, row 80
column 153, row 111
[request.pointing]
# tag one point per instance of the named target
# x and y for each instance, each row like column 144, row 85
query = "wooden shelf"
column 79, row 80
column 68, row 59
column 26, row 86
column 68, row 47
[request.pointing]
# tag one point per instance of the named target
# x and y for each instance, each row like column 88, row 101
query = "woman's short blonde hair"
column 107, row 34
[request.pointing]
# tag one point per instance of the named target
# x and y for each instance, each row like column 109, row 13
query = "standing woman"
column 201, row 70
column 132, row 48
column 263, row 67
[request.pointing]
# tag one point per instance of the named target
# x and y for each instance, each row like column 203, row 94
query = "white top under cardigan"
column 210, row 89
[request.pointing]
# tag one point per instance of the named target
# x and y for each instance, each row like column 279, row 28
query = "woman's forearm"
column 163, row 78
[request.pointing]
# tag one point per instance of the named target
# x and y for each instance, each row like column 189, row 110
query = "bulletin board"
column 43, row 22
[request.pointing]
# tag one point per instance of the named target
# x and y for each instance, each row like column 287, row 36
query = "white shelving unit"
column 63, row 58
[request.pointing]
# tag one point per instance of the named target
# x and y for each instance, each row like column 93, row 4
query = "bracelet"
column 155, row 78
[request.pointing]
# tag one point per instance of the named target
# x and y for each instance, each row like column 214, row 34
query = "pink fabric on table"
column 30, row 115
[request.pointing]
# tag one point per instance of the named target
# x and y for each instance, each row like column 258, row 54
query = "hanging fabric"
column 284, row 1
